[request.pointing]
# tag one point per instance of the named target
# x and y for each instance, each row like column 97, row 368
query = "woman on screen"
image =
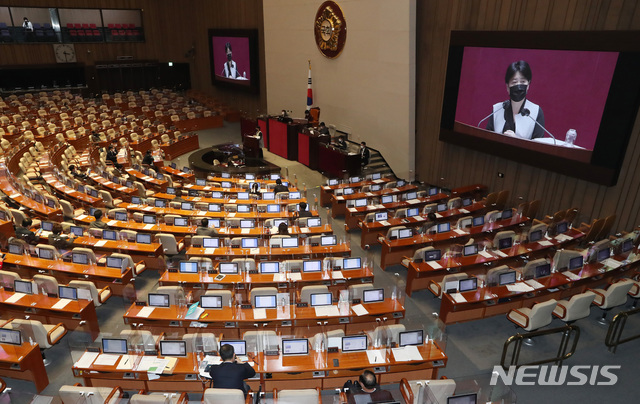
column 520, row 115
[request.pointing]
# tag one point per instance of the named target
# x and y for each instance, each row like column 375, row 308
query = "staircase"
column 377, row 164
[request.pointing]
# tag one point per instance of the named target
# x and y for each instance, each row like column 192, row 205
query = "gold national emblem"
column 330, row 29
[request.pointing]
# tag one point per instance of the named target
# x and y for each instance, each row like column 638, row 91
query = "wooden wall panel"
column 171, row 27
column 440, row 163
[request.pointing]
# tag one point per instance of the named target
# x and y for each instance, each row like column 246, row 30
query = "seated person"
column 24, row 232
column 98, row 223
column 59, row 241
column 302, row 212
column 77, row 174
column 148, row 158
column 230, row 374
column 366, row 385
column 341, row 143
column 204, row 230
column 279, row 187
column 323, row 129
column 255, row 190
column 95, row 137
column 428, row 225
column 283, row 229
column 307, row 116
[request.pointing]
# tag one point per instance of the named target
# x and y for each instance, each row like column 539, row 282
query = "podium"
column 251, row 146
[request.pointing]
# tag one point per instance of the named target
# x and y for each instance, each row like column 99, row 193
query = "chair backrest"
column 529, row 270
column 504, row 235
column 537, row 227
column 226, row 295
column 205, row 342
column 47, row 283
column 31, row 329
column 88, row 286
column 493, row 275
column 223, row 396
column 299, row 396
column 540, row 315
column 616, row 294
column 7, row 278
column 261, row 340
column 387, row 334
column 307, row 291
column 562, row 257
column 245, row 264
column 54, row 250
column 168, row 242
column 264, row 291
column 579, row 306
column 176, row 293
column 355, row 291
column 91, row 256
column 77, row 394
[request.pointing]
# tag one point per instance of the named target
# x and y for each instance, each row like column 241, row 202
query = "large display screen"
column 234, row 58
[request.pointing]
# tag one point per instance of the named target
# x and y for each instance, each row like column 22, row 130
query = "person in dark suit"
column 57, row 240
column 302, row 211
column 24, row 232
column 148, row 158
column 232, row 372
column 76, row 173
column 97, row 222
column 367, row 385
column 323, row 129
column 279, row 187
column 364, row 154
column 204, row 230
column 341, row 143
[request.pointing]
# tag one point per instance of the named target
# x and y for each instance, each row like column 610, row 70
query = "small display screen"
column 246, row 224
column 268, row 196
column 373, row 295
column 432, row 255
column 77, row 231
column 535, row 235
column 386, row 199
column 506, row 214
column 239, row 347
column 13, row 337
column 576, row 262
column 180, row 221
column 210, row 242
column 243, row 196
column 328, row 240
column 543, row 270
column 115, row 346
column 269, row 267
column 561, row 228
column 65, row 292
column 354, row 343
column 321, row 299
column 158, row 300
column 410, row 338
column 478, row 221
column 149, row 219
column 143, row 238
column 291, row 242
column 361, row 203
column 249, row 243
column 228, row 267
column 173, row 348
column 211, row 302
column 121, row 216
column 506, row 242
column 265, row 302
column 186, row 206
column 507, row 278
column 114, row 262
column 295, row 346
column 188, row 267
column 312, row 266
column 109, row 235
column 214, row 207
column 351, row 263
column 160, row 203
column 405, row 233
column 244, row 208
column 470, row 250
column 79, row 258
column 444, row 227
column 314, row 222
column 466, row 285
column 23, row 287
column 381, row 216
column 273, row 208
column 47, row 226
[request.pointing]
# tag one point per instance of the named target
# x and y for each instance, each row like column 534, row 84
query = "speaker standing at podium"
column 508, row 117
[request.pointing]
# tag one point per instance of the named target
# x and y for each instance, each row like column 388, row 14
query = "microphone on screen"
column 504, row 105
column 526, row 112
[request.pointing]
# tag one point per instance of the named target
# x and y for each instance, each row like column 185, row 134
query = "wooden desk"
column 394, row 250
column 315, row 370
column 183, row 145
column 160, row 185
column 335, row 162
column 69, row 193
column 152, row 254
column 222, row 201
column 327, row 190
column 179, row 174
column 65, row 272
column 302, row 252
column 419, row 275
column 39, row 209
column 77, row 315
column 125, row 192
column 339, row 203
column 23, row 362
column 214, row 121
column 139, row 227
column 492, row 301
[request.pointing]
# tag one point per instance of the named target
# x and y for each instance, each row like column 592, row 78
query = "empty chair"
column 245, row 264
column 529, row 270
column 298, row 396
column 159, row 398
column 615, row 295
column 493, row 275
column 491, row 216
column 91, row 256
column 100, row 395
column 225, row 396
column 45, row 283
column 635, row 292
column 562, row 259
column 54, row 251
column 418, row 256
column 438, row 288
column 264, row 291
column 201, row 342
column 136, row 267
column 355, row 291
column 307, row 291
column 504, row 235
column 540, row 227
column 142, row 192
column 203, row 262
column 97, row 296
column 387, row 334
column 260, row 341
column 579, row 306
column 169, row 244
column 226, row 295
column 176, row 294
column 454, row 203
column 108, row 200
column 531, row 319
column 45, row 335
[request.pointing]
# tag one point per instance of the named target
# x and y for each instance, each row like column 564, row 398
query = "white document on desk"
column 81, row 217
column 126, row 362
column 534, row 284
column 459, row 231
column 279, row 277
column 359, row 310
column 231, row 214
column 106, row 360
column 61, row 303
column 304, row 230
column 406, row 353
column 112, row 222
column 148, row 226
column 438, row 216
column 195, row 314
column 209, row 251
column 145, row 363
column 385, row 223
column 188, row 186
column 352, row 210
column 14, row 298
column 500, row 253
column 100, row 243
column 259, row 314
column 294, row 276
column 147, row 208
column 146, row 311
column 519, row 287
column 254, row 251
column 464, row 211
column 375, row 357
column 545, row 243
column 326, row 311
column 339, row 198
column 434, row 264
column 86, row 359
column 337, row 275
column 485, row 254
column 572, row 276
column 563, row 237
column 245, row 231
column 413, row 201
column 458, row 298
column 611, row 263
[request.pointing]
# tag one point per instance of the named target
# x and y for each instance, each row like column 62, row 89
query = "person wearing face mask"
column 520, row 115
column 229, row 70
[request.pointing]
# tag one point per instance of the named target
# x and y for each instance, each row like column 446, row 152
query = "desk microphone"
column 526, row 112
column 504, row 105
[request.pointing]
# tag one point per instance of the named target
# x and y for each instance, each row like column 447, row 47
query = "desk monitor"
column 277, row 222
column 353, row 180
column 410, row 195
column 25, row 287
column 15, row 248
column 576, row 263
column 433, row 191
column 535, row 235
column 467, row 202
column 466, row 285
column 186, row 206
column 470, row 250
column 160, row 203
column 246, row 224
column 273, row 208
column 13, row 337
column 507, row 278
column 109, row 235
column 250, row 243
column 244, row 208
column 451, row 286
column 295, row 347
column 465, row 399
column 321, row 299
column 149, row 219
column 312, row 266
column 65, row 292
column 185, row 170
column 328, row 240
column 122, row 216
column 410, row 338
column 543, row 270
column 506, row 242
column 225, row 184
column 45, row 253
column 444, row 227
column 136, row 200
column 432, row 255
column 352, row 263
column 81, row 189
column 386, row 199
column 294, row 195
column 211, row 302
column 210, row 242
column 413, row 212
column 375, row 187
column 627, row 245
column 188, row 267
column 181, row 221
column 376, row 176
column 561, row 227
column 216, row 194
column 347, row 191
column 359, row 203
column 381, row 216
column 3, row 215
column 332, row 182
column 264, row 302
column 274, row 177
column 47, row 226
column 268, row 196
column 401, row 183
column 214, row 207
column 171, row 190
column 143, row 238
column 115, row 262
column 243, row 196
column 79, row 258
column 239, row 346
column 314, row 222
column 478, row 221
column 603, row 254
column 405, row 233
column 373, row 295
column 117, row 346
column 160, row 176
column 271, row 267
column 50, row 203
column 228, row 268
column 354, row 343
column 173, row 348
column 193, row 192
column 441, row 207
column 290, row 242
column 249, row 176
column 506, row 214
column 201, row 182
column 225, row 175
column 158, row 299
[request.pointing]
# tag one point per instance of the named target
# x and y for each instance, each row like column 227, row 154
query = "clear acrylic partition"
column 432, row 327
column 16, row 396
column 481, row 386
column 80, row 342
